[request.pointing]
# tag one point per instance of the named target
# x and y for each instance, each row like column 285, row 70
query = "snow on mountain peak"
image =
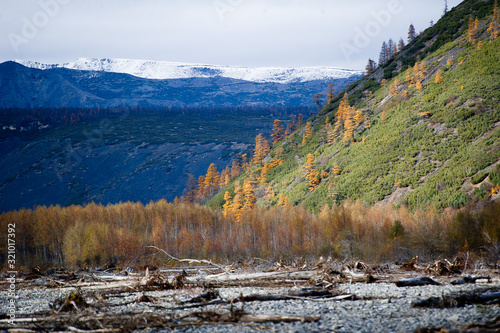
column 177, row 70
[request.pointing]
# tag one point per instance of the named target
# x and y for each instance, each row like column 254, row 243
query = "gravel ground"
column 382, row 307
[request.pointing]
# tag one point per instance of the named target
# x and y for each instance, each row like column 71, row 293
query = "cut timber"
column 419, row 281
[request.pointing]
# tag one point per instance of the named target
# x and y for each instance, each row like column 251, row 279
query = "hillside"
column 416, row 142
column 98, row 86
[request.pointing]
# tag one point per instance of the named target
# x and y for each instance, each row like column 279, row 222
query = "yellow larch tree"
column 228, row 202
column 336, row 169
column 471, row 30
column 225, row 177
column 235, row 169
column 393, row 88
column 278, row 132
column 330, row 92
column 438, row 78
column 201, row 186
column 237, row 203
column 261, row 149
column 307, row 133
column 249, row 193
column 281, row 200
column 211, row 179
column 312, row 176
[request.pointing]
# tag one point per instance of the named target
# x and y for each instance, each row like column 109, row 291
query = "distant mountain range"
column 165, row 70
column 121, row 82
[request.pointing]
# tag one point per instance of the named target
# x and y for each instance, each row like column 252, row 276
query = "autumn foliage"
column 116, row 234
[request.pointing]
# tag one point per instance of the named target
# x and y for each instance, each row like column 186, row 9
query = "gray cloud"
column 236, row 32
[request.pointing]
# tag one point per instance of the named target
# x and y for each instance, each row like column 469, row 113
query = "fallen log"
column 466, row 279
column 414, row 282
column 461, row 300
column 251, row 278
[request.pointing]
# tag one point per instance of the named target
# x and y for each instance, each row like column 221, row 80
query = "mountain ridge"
column 25, row 87
column 162, row 70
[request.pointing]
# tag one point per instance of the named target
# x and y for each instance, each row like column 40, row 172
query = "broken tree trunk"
column 419, row 281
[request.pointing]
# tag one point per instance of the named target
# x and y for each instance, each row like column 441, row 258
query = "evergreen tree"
column 411, row 33
column 445, row 7
column 370, row 67
column 390, row 49
column 383, row 54
column 401, row 45
column 318, row 100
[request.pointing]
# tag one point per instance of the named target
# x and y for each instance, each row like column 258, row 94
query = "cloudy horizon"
column 253, row 33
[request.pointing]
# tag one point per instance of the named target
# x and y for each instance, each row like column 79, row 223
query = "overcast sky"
column 287, row 33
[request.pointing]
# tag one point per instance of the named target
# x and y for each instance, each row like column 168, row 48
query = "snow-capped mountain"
column 175, row 70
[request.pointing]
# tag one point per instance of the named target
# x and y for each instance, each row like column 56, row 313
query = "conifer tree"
column 291, row 126
column 228, row 202
column 330, row 92
column 281, row 200
column 438, row 79
column 278, row 132
column 301, row 120
column 370, row 67
column 225, row 177
column 312, row 176
column 261, row 149
column 411, row 33
column 235, row 169
column 211, row 179
column 393, row 88
column 445, row 7
column 336, row 169
column 318, row 100
column 307, row 133
column 471, row 30
column 401, row 45
column 383, row 54
column 249, row 194
column 237, row 203
column 201, row 186
column 390, row 49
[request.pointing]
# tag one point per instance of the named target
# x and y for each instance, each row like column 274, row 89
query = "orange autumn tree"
column 237, row 204
column 228, row 202
column 249, row 194
column 493, row 29
column 278, row 131
column 211, row 179
column 261, row 149
column 330, row 92
column 312, row 175
column 307, row 133
column 439, row 78
column 347, row 119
